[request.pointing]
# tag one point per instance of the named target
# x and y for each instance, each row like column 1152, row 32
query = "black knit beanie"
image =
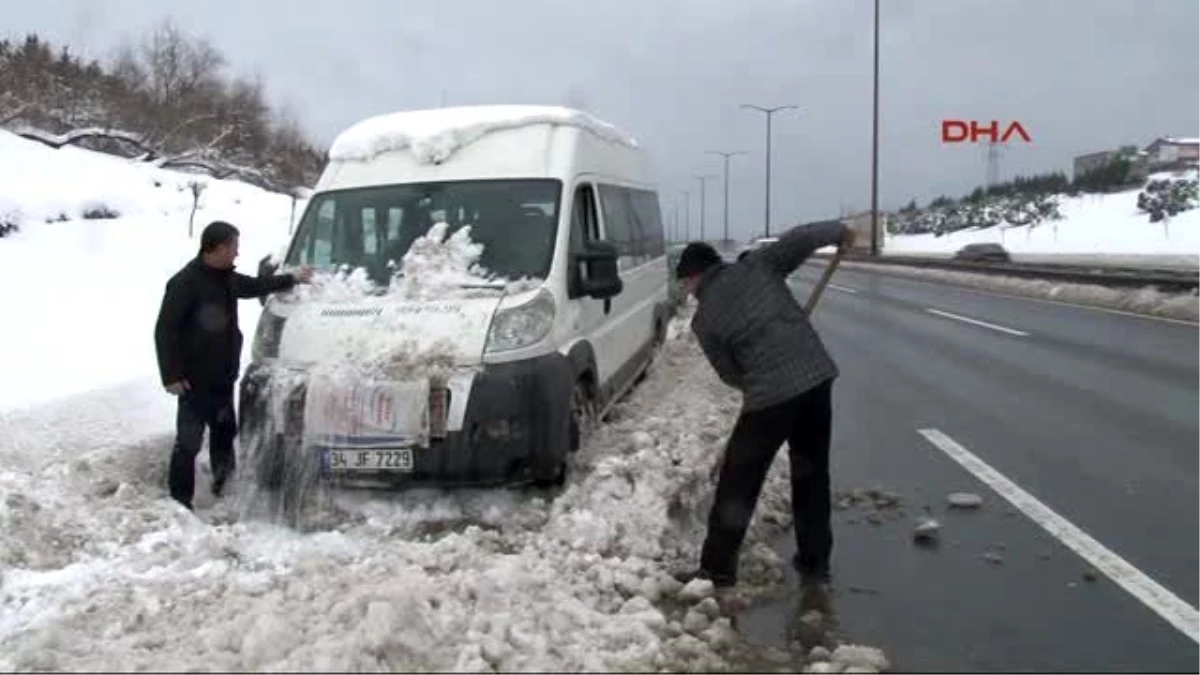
column 696, row 258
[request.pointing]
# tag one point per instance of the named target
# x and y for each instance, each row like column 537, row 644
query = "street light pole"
column 769, row 112
column 687, row 214
column 875, row 145
column 703, row 182
column 725, row 155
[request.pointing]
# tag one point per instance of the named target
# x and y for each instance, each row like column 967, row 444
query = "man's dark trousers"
column 213, row 410
column 805, row 423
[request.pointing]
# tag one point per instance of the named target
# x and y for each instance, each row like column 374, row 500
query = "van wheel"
column 583, row 413
column 558, row 480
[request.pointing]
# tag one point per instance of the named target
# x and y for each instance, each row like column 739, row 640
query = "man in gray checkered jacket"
column 759, row 340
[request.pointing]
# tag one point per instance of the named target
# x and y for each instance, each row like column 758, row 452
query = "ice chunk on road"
column 964, row 500
column 858, row 656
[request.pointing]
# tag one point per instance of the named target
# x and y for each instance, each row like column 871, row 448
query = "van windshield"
column 372, row 228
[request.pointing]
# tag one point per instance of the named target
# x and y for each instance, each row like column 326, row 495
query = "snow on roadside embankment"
column 1148, row 301
column 82, row 293
column 1091, row 225
column 102, row 571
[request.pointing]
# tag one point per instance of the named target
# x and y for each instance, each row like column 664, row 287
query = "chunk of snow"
column 964, row 500
column 434, row 135
column 819, row 653
column 848, row 656
column 694, row 622
column 926, row 531
column 696, row 590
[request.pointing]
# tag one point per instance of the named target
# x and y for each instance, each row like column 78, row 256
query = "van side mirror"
column 601, row 276
column 265, row 269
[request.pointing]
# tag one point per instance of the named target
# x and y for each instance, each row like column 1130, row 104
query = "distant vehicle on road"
column 982, row 253
column 755, row 245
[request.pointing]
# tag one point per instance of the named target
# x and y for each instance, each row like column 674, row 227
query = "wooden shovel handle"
column 824, row 281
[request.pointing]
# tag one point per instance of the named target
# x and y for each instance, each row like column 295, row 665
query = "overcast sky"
column 1079, row 75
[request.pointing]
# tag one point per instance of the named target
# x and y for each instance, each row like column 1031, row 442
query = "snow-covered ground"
column 101, row 570
column 80, row 296
column 1092, row 225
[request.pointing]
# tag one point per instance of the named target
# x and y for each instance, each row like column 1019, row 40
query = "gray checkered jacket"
column 751, row 327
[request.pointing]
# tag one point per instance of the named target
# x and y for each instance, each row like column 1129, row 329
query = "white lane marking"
column 977, row 322
column 1178, row 613
column 844, row 289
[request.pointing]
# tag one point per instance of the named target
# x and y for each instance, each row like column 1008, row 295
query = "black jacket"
column 750, row 326
column 197, row 335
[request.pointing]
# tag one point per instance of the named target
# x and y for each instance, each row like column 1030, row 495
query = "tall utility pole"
column 769, row 112
column 726, row 155
column 687, row 214
column 703, row 182
column 993, row 166
column 875, row 145
column 675, row 222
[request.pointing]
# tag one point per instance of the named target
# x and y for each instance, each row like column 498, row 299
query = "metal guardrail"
column 1124, row 277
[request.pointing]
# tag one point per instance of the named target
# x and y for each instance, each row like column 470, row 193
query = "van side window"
column 648, row 214
column 618, row 224
column 585, row 227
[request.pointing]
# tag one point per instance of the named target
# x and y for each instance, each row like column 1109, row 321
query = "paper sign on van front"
column 371, row 413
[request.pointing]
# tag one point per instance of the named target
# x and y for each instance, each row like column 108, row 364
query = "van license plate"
column 374, row 459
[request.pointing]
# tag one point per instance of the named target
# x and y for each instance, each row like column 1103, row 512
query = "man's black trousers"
column 805, row 423
column 197, row 411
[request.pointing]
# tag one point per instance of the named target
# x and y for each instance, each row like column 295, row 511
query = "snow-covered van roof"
column 434, row 135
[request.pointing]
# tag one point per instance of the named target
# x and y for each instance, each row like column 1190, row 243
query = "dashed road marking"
column 977, row 322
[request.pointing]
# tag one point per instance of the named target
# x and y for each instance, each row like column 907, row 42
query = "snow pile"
column 1140, row 301
column 436, row 266
column 1090, row 224
column 95, row 285
column 112, row 575
column 434, row 135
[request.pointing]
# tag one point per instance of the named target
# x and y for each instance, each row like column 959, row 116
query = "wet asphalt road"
column 1092, row 413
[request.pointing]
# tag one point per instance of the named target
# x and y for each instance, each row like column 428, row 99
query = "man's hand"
column 847, row 240
column 303, row 275
column 177, row 388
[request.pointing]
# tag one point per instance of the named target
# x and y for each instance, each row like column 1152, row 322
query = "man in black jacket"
column 759, row 340
column 199, row 349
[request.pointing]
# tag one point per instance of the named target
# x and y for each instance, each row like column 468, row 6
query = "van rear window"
column 516, row 221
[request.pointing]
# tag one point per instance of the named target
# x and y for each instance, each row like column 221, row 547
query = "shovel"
column 823, row 282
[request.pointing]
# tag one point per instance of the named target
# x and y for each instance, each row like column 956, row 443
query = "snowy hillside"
column 83, row 275
column 1090, row 225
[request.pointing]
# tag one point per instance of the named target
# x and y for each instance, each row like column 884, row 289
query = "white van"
column 554, row 195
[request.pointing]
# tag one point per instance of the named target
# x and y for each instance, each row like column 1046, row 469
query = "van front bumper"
column 515, row 429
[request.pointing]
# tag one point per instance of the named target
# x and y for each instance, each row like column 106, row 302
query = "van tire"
column 558, row 480
column 583, row 412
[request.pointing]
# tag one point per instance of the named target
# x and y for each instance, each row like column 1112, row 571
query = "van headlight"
column 267, row 336
column 523, row 325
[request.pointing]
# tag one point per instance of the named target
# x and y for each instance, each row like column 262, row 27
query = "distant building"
column 1094, row 161
column 1170, row 152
